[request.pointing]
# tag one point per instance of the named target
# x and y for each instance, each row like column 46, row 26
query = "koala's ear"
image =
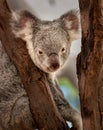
column 22, row 23
column 71, row 22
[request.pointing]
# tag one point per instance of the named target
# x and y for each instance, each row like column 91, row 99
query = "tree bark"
column 90, row 64
column 42, row 105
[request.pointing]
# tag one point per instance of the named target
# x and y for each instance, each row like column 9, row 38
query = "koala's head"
column 48, row 42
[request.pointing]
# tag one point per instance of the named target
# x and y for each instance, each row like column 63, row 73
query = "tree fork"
column 42, row 105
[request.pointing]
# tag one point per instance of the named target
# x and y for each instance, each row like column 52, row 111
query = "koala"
column 48, row 44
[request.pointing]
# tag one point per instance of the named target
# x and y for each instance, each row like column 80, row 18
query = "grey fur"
column 14, row 104
column 52, row 39
column 47, row 36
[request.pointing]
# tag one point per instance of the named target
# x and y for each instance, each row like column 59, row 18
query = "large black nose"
column 53, row 62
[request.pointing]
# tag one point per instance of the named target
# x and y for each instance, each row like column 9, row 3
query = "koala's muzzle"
column 53, row 62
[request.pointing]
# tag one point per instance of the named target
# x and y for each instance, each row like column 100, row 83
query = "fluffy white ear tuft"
column 22, row 23
column 71, row 21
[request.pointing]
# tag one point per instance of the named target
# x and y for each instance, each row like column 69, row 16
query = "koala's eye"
column 63, row 49
column 40, row 52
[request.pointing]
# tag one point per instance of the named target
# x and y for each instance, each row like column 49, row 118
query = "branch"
column 43, row 108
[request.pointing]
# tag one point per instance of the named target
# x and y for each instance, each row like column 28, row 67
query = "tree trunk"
column 90, row 64
column 42, row 105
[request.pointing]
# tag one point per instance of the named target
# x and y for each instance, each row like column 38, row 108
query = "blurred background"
column 49, row 10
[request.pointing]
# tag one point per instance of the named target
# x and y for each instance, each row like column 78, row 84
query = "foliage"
column 70, row 92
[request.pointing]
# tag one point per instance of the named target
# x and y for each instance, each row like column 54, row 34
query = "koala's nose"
column 54, row 66
column 53, row 62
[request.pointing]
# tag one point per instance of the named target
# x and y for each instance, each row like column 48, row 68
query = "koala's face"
column 51, row 47
column 48, row 43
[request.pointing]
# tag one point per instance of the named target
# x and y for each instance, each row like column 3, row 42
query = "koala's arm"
column 67, row 112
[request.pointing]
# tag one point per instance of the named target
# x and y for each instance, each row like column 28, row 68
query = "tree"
column 43, row 108
column 90, row 64
column 89, row 70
